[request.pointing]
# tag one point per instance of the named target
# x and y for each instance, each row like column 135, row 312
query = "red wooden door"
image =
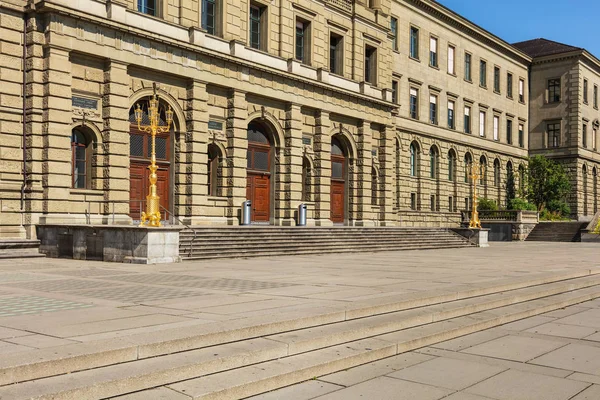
column 258, row 192
column 337, row 201
column 338, row 186
column 139, row 186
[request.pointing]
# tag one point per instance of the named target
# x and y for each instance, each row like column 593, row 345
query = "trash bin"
column 246, row 210
column 301, row 215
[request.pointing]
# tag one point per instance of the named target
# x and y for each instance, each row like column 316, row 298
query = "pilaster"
column 322, row 182
column 237, row 148
column 292, row 164
column 364, row 164
column 115, row 114
column 386, row 151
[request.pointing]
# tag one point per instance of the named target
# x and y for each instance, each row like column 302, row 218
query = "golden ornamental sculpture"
column 152, row 214
column 477, row 171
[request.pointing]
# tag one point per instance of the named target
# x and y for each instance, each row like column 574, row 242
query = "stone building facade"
column 354, row 107
column 564, row 116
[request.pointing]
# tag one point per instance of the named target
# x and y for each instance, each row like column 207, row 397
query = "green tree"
column 511, row 190
column 547, row 183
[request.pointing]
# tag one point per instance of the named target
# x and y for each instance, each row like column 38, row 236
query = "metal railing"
column 343, row 4
column 184, row 224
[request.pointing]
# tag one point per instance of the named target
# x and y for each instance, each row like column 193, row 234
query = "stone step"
column 272, row 253
column 216, row 371
column 19, row 248
column 317, row 241
column 38, row 364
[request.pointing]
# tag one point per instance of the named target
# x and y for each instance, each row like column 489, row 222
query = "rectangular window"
column 414, row 103
column 521, row 135
column 585, row 91
column 553, row 90
column 595, row 96
column 395, row 92
column 303, row 41
column 256, row 26
column 147, row 7
column 509, row 125
column 433, row 58
column 468, row 67
column 553, row 134
column 336, row 58
column 414, row 42
column 467, row 120
column 394, row 29
column 497, row 79
column 209, row 13
column 413, row 201
column 521, row 90
column 496, row 127
column 509, row 85
column 594, row 134
column 451, row 123
column 432, row 201
column 584, row 137
column 481, row 123
column 451, row 52
column 450, row 204
column 482, row 73
column 433, row 110
column 371, row 65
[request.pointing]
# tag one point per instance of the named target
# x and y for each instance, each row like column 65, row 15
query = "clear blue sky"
column 573, row 22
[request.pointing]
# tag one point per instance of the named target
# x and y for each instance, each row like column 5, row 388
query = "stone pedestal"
column 111, row 243
column 478, row 237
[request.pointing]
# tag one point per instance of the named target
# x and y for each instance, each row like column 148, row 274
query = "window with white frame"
column 414, row 103
column 433, row 109
column 433, row 48
column 467, row 119
column 482, row 123
column 496, row 127
column 521, row 90
column 451, row 52
column 451, row 123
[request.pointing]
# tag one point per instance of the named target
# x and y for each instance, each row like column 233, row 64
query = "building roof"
column 544, row 47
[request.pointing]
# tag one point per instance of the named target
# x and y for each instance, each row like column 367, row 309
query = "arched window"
column 374, row 186
column 306, row 179
column 497, row 172
column 414, row 170
column 483, row 163
column 468, row 163
column 81, row 159
column 214, row 170
column 521, row 177
column 433, row 158
column 451, row 166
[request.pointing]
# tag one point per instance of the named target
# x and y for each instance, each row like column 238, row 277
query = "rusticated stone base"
column 111, row 243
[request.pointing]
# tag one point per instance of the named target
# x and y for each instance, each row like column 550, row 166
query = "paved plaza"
column 46, row 304
column 554, row 356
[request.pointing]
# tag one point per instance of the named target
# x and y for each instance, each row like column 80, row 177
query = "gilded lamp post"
column 477, row 171
column 152, row 214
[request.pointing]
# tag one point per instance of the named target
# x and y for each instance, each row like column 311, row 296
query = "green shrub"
column 487, row 205
column 559, row 207
column 521, row 205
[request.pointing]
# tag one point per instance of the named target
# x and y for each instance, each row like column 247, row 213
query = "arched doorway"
column 338, row 182
column 140, row 152
column 259, row 172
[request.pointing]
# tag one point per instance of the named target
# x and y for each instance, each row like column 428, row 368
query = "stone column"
column 57, row 117
column 193, row 176
column 115, row 112
column 292, row 164
column 387, row 147
column 364, row 164
column 322, row 176
column 237, row 148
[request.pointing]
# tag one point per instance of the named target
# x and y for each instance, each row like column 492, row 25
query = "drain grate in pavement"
column 239, row 285
column 61, row 285
column 24, row 305
column 154, row 279
column 137, row 294
column 19, row 276
column 87, row 273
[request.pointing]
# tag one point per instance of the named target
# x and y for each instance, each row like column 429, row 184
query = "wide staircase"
column 245, row 357
column 557, row 232
column 19, row 248
column 256, row 241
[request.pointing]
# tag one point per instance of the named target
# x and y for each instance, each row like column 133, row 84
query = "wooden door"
column 259, row 193
column 337, row 201
column 338, row 189
column 139, row 186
